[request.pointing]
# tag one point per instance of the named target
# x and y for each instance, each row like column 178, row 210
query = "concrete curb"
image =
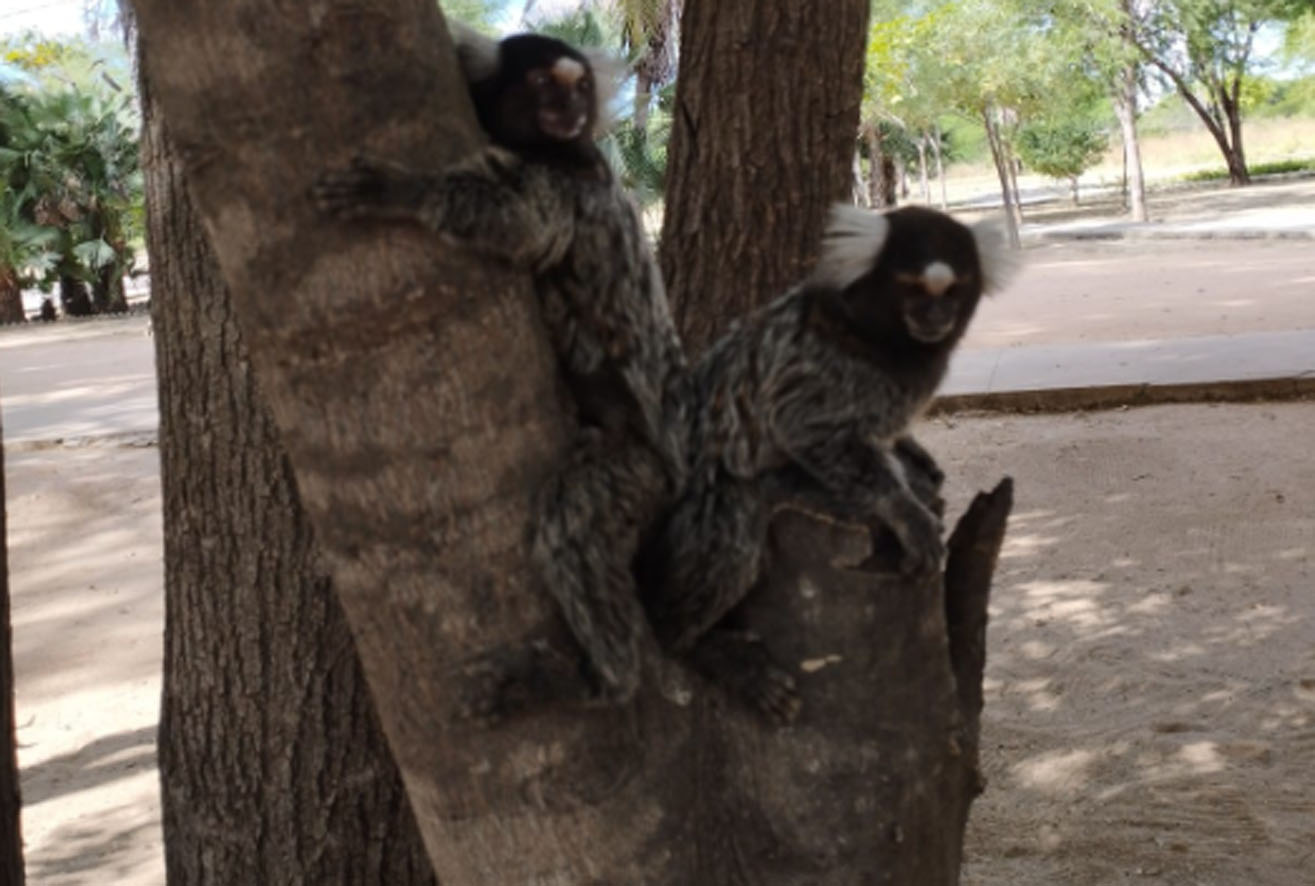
column 143, row 439
column 1097, row 397
column 1104, row 234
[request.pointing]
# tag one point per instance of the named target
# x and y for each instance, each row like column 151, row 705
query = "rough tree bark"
column 416, row 399
column 764, row 89
column 11, row 801
column 287, row 761
column 11, row 297
column 881, row 166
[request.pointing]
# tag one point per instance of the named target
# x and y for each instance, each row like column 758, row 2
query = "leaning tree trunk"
column 1001, row 161
column 414, row 392
column 763, row 90
column 11, row 801
column 288, row 762
column 1238, row 174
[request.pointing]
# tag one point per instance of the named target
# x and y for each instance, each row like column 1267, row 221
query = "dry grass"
column 1165, row 157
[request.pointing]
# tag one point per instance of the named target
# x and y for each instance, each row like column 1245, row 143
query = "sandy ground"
column 1150, row 689
column 85, row 576
column 1151, row 674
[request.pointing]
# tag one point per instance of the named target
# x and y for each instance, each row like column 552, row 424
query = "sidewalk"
column 1274, row 223
column 1279, row 208
column 1045, row 378
column 1246, row 366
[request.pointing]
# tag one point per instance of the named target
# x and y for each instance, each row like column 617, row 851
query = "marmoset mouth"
column 929, row 333
column 557, row 126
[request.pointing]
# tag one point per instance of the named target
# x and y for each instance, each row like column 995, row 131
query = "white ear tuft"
column 850, row 245
column 477, row 53
column 1000, row 262
column 610, row 72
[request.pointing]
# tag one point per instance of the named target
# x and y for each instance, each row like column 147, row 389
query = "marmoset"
column 542, row 197
column 804, row 403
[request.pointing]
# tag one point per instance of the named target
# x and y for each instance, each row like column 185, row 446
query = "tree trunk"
column 1125, row 109
column 1012, row 164
column 1073, row 189
column 746, row 118
column 418, row 434
column 1220, row 130
column 11, row 297
column 642, row 102
column 1238, row 174
column 73, row 297
column 940, row 164
column 107, row 292
column 860, row 195
column 1002, row 171
column 922, row 168
column 288, row 761
column 881, row 181
column 11, row 801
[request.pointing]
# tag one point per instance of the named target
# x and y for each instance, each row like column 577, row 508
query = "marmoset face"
column 934, row 298
column 548, row 93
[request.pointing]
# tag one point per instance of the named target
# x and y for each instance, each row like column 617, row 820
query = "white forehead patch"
column 567, row 71
column 850, row 246
column 937, row 277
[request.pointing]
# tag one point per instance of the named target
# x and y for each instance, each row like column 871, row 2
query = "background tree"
column 1063, row 147
column 68, row 153
column 11, row 803
column 763, row 92
column 991, row 86
column 902, row 97
column 650, row 29
column 1098, row 32
column 1205, row 48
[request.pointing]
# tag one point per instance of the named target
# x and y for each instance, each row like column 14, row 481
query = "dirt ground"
column 1150, row 709
column 85, row 577
column 1150, row 689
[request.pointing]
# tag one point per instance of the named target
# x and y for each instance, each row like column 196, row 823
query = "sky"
column 60, row 18
column 50, row 17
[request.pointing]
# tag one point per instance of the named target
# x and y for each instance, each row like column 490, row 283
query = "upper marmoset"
column 542, row 197
column 804, row 403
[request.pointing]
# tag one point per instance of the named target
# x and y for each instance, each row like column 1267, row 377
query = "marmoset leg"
column 590, row 517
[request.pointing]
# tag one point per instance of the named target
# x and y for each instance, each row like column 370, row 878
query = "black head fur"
column 526, row 107
column 906, row 282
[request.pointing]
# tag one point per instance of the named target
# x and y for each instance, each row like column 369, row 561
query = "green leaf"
column 94, row 254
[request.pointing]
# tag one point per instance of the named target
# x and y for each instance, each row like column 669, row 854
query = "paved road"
column 1094, row 292
column 71, row 380
column 1080, row 314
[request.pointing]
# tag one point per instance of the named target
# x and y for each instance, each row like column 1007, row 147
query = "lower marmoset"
column 807, row 403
